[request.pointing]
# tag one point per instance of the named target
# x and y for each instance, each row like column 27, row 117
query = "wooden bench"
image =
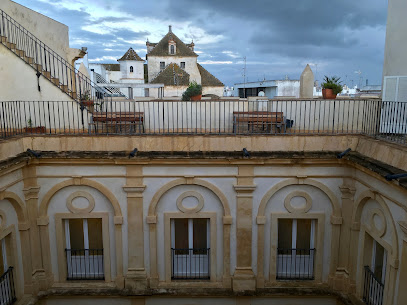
column 118, row 122
column 259, row 121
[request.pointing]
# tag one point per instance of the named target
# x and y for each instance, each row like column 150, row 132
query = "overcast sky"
column 278, row 38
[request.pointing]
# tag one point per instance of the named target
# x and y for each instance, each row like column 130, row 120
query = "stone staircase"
column 45, row 61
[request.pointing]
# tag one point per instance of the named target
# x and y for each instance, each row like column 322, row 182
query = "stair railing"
column 46, row 61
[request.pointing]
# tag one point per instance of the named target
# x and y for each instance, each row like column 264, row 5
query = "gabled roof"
column 131, row 55
column 172, row 75
column 207, row 79
column 161, row 48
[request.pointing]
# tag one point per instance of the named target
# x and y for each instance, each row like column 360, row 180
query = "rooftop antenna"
column 360, row 77
column 244, row 78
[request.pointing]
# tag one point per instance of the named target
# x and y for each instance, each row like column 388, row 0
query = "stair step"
column 55, row 80
column 29, row 60
column 37, row 67
column 64, row 88
column 11, row 45
column 47, row 74
column 20, row 53
column 3, row 39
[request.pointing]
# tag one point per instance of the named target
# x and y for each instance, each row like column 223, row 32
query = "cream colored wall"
column 212, row 90
column 53, row 33
column 138, row 70
column 19, row 81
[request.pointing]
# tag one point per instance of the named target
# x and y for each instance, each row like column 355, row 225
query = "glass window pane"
column 379, row 261
column 200, row 235
column 285, row 232
column 303, row 233
column 1, row 259
column 181, row 233
column 95, row 233
column 76, row 233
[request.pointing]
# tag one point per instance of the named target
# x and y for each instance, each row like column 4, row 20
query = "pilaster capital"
column 227, row 220
column 31, row 192
column 43, row 221
column 134, row 191
column 335, row 220
column 347, row 191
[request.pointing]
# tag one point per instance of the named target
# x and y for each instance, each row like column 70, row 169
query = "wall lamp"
column 34, row 153
column 133, row 153
column 342, row 154
column 395, row 176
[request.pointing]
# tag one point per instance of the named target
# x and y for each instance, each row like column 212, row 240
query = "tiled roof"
column 207, row 79
column 112, row 67
column 161, row 49
column 172, row 75
column 131, row 55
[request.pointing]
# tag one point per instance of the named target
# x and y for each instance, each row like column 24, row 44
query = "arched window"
column 172, row 49
column 131, row 69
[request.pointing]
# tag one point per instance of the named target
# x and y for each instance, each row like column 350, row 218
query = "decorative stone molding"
column 347, row 191
column 23, row 226
column 403, row 227
column 3, row 220
column 227, row 220
column 31, row 192
column 195, row 209
column 244, row 188
column 151, row 219
column 43, row 221
column 379, row 213
column 118, row 220
column 261, row 220
column 133, row 189
column 78, row 194
column 298, row 210
column 335, row 220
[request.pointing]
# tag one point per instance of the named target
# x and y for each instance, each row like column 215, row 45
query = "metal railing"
column 85, row 264
column 7, row 290
column 190, row 264
column 295, row 264
column 46, row 61
column 373, row 288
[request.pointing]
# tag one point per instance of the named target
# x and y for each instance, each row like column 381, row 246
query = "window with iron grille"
column 162, row 65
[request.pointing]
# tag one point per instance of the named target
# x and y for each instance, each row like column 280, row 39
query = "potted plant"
column 331, row 87
column 31, row 129
column 86, row 101
column 193, row 92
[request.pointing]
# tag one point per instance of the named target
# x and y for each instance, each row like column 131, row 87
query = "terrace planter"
column 37, row 130
column 90, row 105
column 328, row 94
column 196, row 97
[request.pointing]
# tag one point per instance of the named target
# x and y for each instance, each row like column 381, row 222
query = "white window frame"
column 190, row 257
column 286, row 257
column 82, row 262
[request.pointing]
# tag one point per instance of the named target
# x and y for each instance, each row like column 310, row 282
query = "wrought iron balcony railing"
column 7, row 289
column 295, row 264
column 190, row 264
column 373, row 288
column 375, row 118
column 85, row 264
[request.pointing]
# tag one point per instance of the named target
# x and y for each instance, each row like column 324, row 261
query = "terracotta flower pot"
column 328, row 94
column 196, row 97
column 88, row 104
column 38, row 129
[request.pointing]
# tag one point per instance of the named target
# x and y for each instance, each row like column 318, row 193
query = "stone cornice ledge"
column 244, row 188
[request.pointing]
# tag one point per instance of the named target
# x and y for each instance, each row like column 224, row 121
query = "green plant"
column 85, row 96
column 333, row 83
column 29, row 123
column 193, row 89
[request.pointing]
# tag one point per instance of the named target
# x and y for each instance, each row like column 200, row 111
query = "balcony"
column 373, row 288
column 7, row 290
column 375, row 118
column 191, row 264
column 295, row 264
column 85, row 264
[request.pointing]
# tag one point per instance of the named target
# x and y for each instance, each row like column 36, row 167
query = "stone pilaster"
column 136, row 277
column 243, row 278
column 402, row 292
column 341, row 281
column 31, row 190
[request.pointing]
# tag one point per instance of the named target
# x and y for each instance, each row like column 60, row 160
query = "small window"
column 162, row 65
column 182, row 64
column 131, row 69
column 172, row 49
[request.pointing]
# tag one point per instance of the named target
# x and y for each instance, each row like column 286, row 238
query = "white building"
column 270, row 88
column 174, row 64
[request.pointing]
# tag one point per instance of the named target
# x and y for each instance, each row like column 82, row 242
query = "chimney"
column 170, row 28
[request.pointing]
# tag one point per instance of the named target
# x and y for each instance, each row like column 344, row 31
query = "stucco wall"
column 53, row 33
